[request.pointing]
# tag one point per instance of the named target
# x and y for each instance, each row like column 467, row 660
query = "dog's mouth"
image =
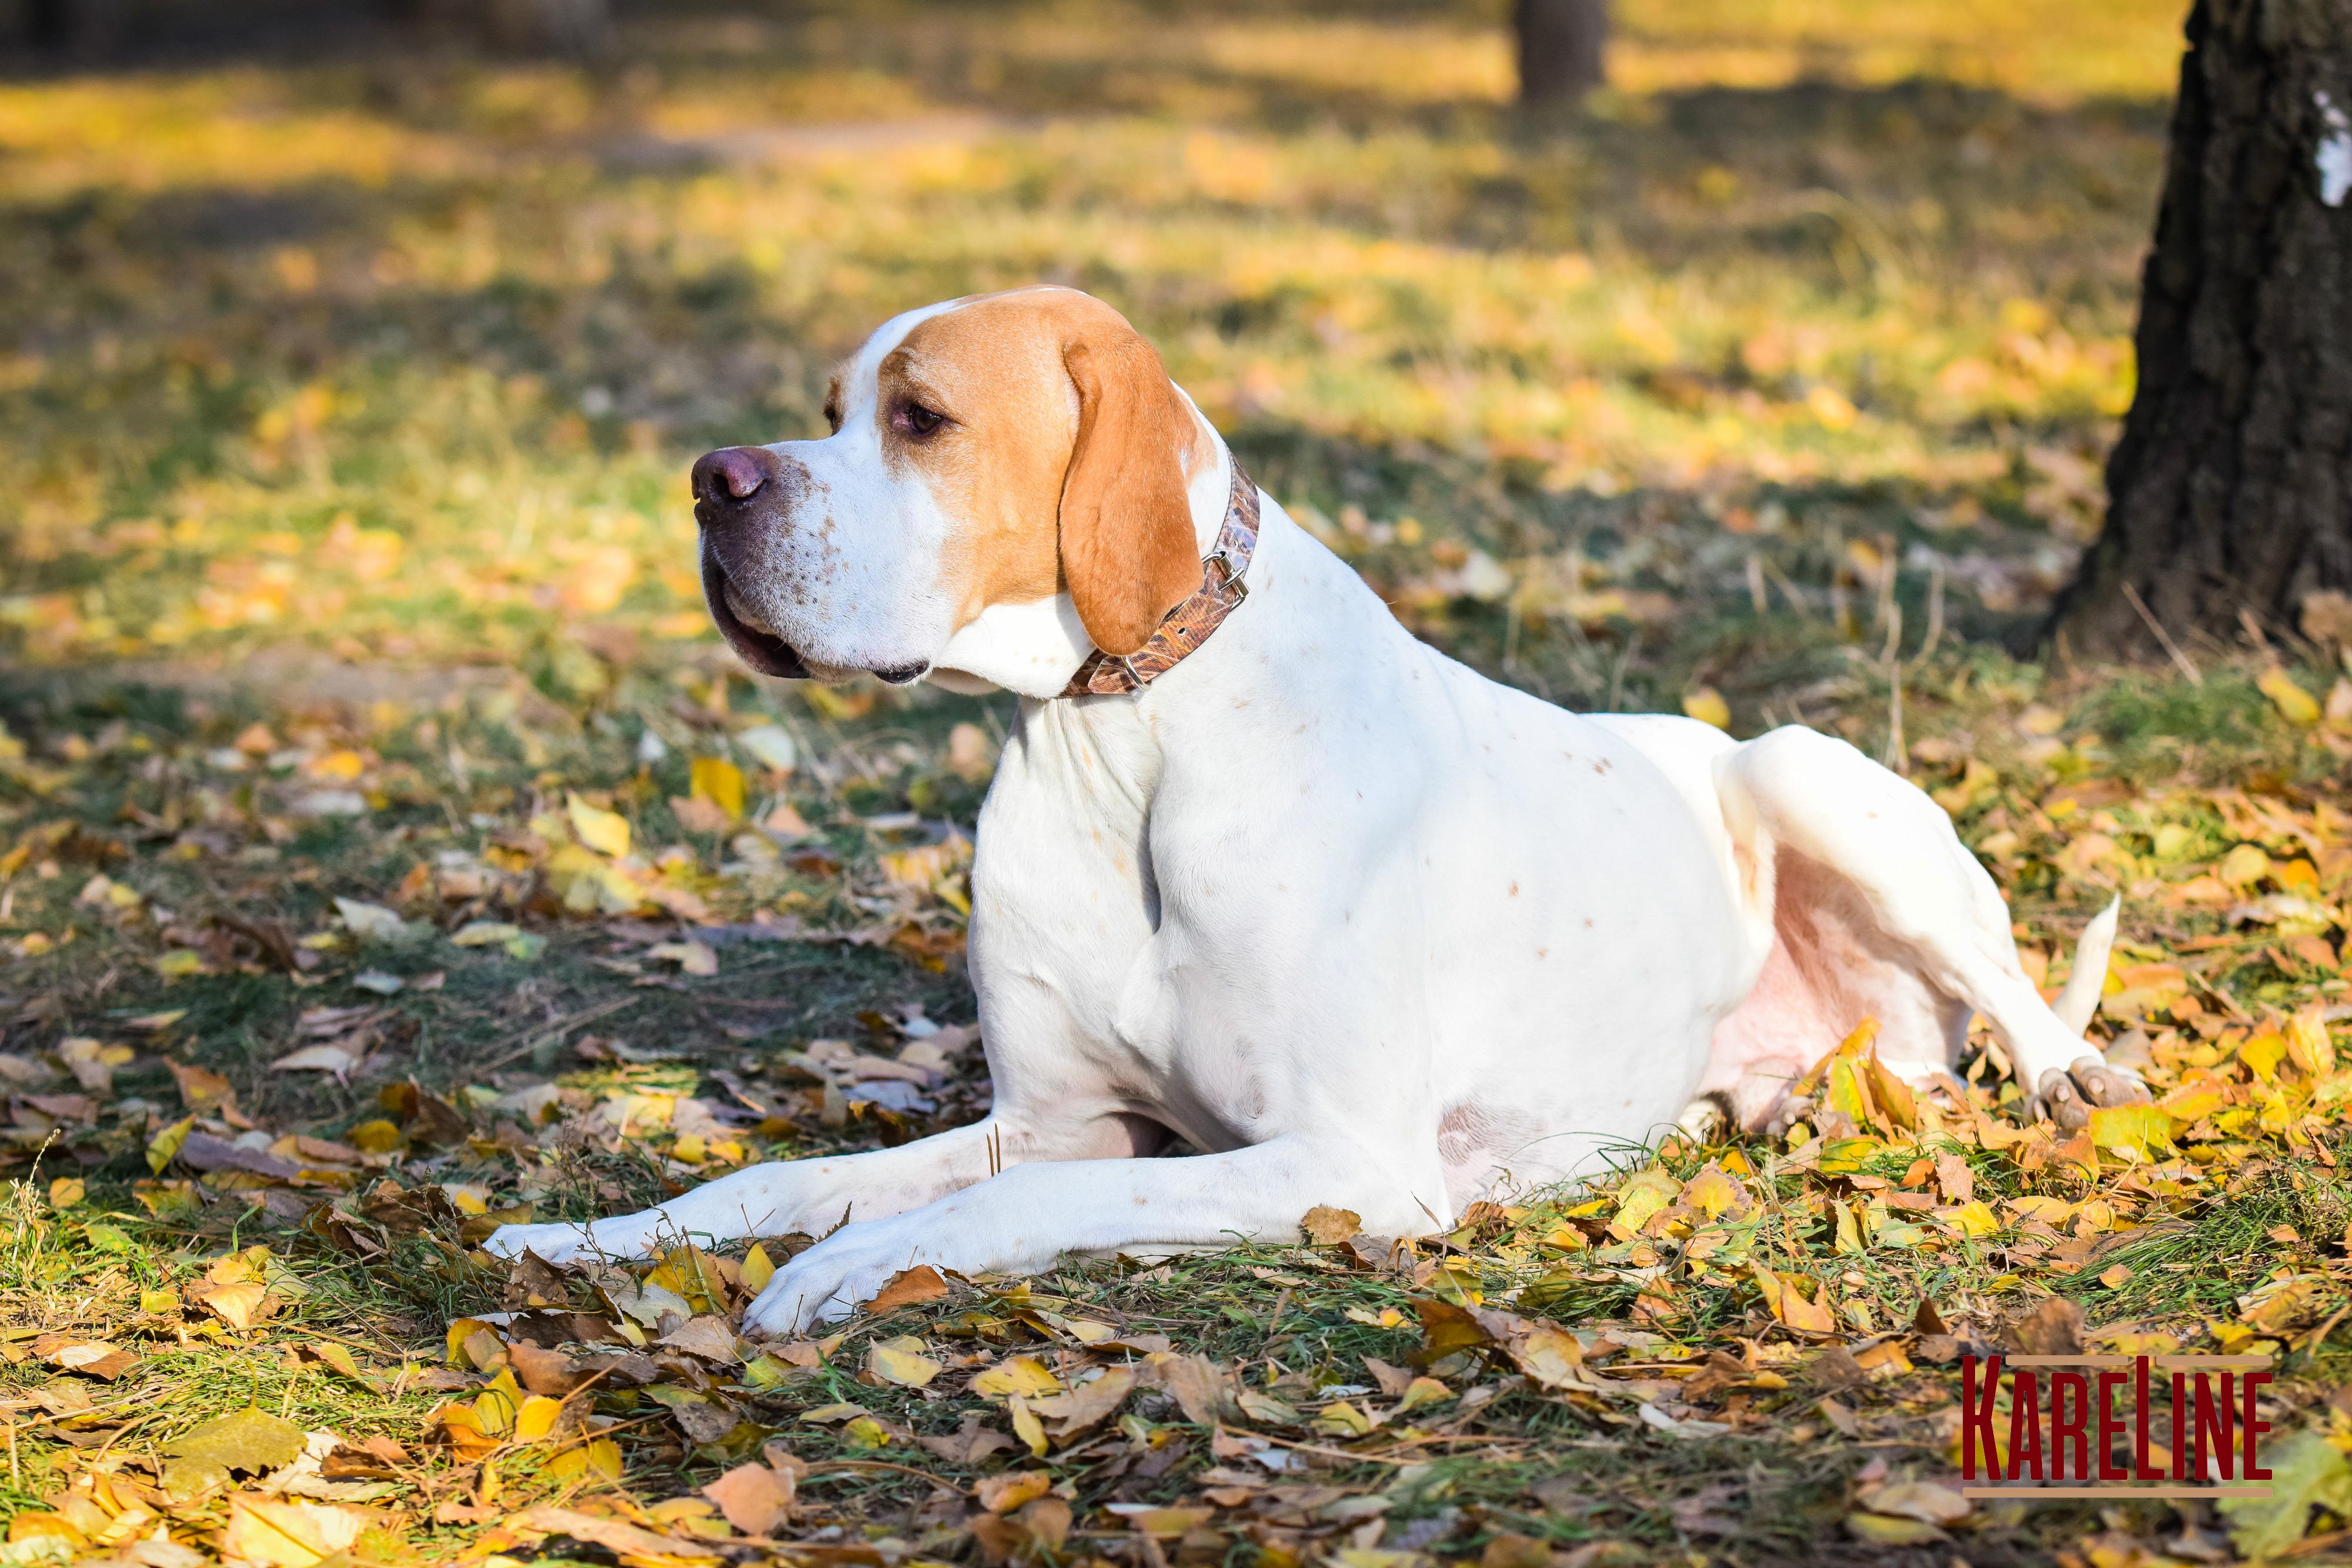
column 754, row 640
column 757, row 644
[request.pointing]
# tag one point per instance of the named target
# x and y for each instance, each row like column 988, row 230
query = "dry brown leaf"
column 756, row 1499
column 1089, row 1404
column 2053, row 1328
column 240, row 1305
column 613, row 1534
column 921, row 1283
column 1328, row 1227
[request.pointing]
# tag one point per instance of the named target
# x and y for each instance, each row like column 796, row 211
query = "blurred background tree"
column 87, row 29
column 1562, row 48
column 2230, row 494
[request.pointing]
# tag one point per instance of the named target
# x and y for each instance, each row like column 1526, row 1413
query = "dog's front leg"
column 786, row 1196
column 1024, row 1220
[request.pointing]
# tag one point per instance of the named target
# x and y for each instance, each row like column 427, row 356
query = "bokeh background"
column 355, row 335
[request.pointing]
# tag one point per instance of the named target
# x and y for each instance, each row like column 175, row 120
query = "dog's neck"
column 1033, row 649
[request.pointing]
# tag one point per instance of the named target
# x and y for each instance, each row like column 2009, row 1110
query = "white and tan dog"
column 1364, row 927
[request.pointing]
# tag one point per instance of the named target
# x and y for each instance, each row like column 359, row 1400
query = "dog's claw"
column 2092, row 1083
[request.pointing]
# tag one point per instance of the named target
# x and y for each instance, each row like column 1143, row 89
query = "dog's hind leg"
column 1880, row 909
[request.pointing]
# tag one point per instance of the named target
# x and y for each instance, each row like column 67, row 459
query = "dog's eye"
column 921, row 421
column 832, row 417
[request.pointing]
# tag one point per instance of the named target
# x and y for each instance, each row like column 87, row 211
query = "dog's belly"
column 1583, row 939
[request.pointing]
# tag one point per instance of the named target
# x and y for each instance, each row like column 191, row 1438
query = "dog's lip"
column 755, row 645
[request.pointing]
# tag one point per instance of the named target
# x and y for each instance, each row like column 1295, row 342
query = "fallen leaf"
column 1328, row 1227
column 901, row 1361
column 909, row 1286
column 615, row 1536
column 1088, row 1403
column 754, row 1498
column 1009, row 1489
column 251, row 1439
column 691, row 957
column 707, row 1336
column 287, row 1532
column 606, row 833
column 1885, row 1530
column 240, row 1305
column 1022, row 1375
column 2294, row 705
column 2053, row 1328
column 720, row 782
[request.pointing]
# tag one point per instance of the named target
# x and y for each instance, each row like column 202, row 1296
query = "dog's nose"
column 733, row 473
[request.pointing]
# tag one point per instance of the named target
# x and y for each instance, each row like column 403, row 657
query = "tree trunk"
column 2231, row 491
column 1560, row 47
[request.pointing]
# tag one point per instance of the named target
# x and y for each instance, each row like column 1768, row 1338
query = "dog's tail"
column 2079, row 1003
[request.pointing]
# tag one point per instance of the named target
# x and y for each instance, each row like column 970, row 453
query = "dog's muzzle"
column 736, row 490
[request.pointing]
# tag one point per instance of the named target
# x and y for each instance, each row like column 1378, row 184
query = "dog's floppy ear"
column 1128, row 554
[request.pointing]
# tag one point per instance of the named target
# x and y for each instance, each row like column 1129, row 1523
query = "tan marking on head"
column 1064, row 455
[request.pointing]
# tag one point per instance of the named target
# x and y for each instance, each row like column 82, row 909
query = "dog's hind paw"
column 2091, row 1084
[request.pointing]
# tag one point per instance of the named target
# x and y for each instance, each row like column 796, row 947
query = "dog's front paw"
column 562, row 1243
column 834, row 1278
column 2092, row 1083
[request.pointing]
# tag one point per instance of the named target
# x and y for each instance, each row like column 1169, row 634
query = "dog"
column 1261, row 872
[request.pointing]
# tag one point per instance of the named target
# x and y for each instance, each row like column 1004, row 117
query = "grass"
column 348, row 397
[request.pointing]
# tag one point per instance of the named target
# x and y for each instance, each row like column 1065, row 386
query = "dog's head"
column 1010, row 477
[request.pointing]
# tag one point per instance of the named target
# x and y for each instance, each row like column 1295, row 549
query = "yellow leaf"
column 1714, row 1191
column 2263, row 1053
column 166, row 1144
column 1016, row 1375
column 901, row 1361
column 1888, row 1530
column 1343, row 1419
column 1553, row 1358
column 67, row 1191
column 1896, row 1105
column 604, row 832
column 2134, row 1129
column 1006, row 1491
column 2308, row 1045
column 375, row 1137
column 1424, row 1391
column 2295, row 705
column 2243, row 866
column 2192, row 1101
column 287, row 1532
column 237, row 1305
column 460, row 1331
column 1786, row 1303
column 1026, row 1424
column 500, row 1401
column 1705, row 705
column 1847, row 1094
column 537, row 1418
column 720, row 782
column 1640, row 1198
column 1973, row 1219
column 757, row 1269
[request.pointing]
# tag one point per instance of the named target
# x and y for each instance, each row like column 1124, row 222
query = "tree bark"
column 1561, row 43
column 2231, row 491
